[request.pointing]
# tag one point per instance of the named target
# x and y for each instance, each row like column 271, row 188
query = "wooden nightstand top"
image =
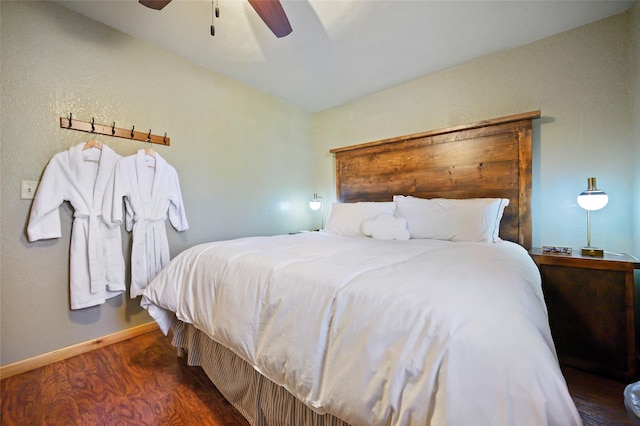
column 576, row 258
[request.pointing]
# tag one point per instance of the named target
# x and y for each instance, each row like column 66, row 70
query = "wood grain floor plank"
column 20, row 399
column 599, row 400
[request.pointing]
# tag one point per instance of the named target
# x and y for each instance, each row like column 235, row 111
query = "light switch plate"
column 28, row 189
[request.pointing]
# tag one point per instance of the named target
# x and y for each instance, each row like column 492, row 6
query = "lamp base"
column 592, row 252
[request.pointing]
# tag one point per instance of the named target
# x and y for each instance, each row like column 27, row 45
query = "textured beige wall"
column 579, row 79
column 244, row 158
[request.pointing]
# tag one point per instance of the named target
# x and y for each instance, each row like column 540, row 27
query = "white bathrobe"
column 150, row 190
column 96, row 261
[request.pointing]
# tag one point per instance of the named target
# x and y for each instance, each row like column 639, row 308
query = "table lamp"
column 315, row 204
column 592, row 199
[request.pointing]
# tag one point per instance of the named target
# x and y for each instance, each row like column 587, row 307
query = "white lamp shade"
column 593, row 201
column 592, row 198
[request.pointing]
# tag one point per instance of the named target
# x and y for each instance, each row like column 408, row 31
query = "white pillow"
column 471, row 220
column 386, row 227
column 346, row 218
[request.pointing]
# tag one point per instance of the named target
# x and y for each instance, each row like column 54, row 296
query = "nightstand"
column 591, row 310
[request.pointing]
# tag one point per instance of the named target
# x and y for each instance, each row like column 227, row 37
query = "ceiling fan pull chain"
column 213, row 29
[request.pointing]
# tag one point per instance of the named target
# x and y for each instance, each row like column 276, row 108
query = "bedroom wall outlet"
column 28, row 189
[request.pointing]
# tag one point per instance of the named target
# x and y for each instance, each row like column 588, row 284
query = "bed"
column 418, row 304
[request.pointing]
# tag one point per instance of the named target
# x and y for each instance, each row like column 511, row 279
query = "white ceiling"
column 340, row 50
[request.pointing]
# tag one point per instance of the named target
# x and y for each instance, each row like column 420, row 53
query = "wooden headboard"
column 491, row 158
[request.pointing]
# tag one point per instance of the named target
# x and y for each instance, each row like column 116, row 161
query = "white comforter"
column 378, row 332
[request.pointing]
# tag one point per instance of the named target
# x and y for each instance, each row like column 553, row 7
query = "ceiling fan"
column 270, row 11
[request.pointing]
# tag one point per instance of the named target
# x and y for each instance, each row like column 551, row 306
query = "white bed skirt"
column 258, row 399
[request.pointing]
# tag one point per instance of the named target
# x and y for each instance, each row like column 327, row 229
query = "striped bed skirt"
column 258, row 399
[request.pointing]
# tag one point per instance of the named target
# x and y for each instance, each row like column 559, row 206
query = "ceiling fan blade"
column 273, row 15
column 155, row 4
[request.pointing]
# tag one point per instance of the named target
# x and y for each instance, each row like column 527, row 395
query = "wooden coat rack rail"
column 101, row 129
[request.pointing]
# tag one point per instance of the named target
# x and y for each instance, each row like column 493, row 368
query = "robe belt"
column 95, row 251
column 141, row 224
column 150, row 219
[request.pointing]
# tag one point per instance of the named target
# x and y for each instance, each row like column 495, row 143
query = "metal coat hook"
column 70, row 118
column 149, row 136
column 132, row 128
column 164, row 139
column 93, row 125
column 113, row 128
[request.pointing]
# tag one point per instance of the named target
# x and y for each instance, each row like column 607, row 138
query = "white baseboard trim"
column 70, row 351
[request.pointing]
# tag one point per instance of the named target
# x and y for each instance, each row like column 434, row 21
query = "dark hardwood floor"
column 142, row 382
column 600, row 401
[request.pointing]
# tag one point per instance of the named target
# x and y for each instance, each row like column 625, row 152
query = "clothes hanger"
column 93, row 143
column 148, row 150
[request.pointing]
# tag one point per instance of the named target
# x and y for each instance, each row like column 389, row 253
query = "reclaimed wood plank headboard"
column 490, row 158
